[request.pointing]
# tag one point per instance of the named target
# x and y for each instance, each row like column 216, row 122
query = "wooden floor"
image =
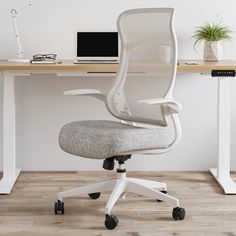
column 28, row 211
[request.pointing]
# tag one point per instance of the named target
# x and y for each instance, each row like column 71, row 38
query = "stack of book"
column 44, row 59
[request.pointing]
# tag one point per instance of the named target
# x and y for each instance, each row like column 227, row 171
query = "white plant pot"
column 213, row 51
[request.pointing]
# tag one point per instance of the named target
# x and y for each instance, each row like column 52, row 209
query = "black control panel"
column 223, row 73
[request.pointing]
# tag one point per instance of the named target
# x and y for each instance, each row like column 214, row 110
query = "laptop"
column 97, row 47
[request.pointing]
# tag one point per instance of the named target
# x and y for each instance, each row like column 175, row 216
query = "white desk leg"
column 222, row 173
column 10, row 173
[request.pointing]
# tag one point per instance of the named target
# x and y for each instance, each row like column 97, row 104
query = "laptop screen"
column 97, row 44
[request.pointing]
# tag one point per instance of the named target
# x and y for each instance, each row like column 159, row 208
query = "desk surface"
column 68, row 65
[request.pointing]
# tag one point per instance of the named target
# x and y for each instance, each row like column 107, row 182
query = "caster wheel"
column 178, row 213
column 111, row 221
column 59, row 207
column 165, row 192
column 94, row 195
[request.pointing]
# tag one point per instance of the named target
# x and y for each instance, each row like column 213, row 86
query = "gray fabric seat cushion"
column 98, row 139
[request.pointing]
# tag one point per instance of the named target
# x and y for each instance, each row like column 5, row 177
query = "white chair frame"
column 122, row 184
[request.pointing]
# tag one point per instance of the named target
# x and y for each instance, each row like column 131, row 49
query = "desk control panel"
column 223, row 73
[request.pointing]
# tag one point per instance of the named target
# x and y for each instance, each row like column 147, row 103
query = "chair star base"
column 119, row 187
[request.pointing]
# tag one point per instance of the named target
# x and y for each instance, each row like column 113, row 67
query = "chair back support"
column 147, row 67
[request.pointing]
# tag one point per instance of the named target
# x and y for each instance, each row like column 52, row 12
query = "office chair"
column 141, row 98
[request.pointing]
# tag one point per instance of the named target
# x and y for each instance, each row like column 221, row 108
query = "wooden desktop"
column 62, row 65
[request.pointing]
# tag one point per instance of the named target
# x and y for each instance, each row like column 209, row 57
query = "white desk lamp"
column 14, row 14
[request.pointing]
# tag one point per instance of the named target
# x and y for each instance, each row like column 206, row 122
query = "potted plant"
column 212, row 34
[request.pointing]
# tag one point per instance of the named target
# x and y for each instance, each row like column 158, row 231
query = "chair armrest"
column 86, row 92
column 169, row 102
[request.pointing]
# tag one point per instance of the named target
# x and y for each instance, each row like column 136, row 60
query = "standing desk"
column 9, row 70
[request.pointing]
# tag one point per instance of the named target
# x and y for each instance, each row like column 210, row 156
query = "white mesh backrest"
column 147, row 35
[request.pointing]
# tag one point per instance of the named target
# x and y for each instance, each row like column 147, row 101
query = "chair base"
column 119, row 187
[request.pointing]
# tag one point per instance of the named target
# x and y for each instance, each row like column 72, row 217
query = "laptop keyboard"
column 95, row 62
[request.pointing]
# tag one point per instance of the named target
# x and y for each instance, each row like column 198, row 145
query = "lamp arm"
column 14, row 14
column 18, row 40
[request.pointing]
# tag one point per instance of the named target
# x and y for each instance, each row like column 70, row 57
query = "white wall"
column 50, row 26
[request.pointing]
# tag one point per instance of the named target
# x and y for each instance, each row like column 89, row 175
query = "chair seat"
column 98, row 139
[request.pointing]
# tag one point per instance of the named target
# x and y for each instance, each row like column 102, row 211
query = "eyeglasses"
column 41, row 57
